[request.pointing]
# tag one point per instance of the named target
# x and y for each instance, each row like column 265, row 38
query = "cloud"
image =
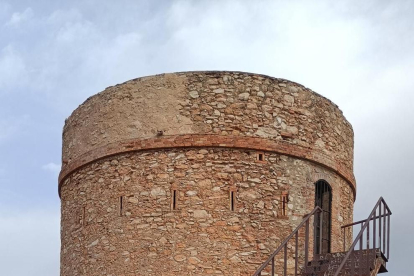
column 52, row 167
column 359, row 54
column 18, row 18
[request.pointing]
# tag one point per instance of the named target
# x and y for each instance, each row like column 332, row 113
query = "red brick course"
column 197, row 140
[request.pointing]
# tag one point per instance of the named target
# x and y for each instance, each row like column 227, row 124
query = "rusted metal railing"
column 284, row 247
column 374, row 234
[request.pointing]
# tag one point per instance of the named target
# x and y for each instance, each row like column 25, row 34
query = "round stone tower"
column 199, row 173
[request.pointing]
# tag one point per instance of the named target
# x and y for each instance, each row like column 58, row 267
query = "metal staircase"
column 367, row 256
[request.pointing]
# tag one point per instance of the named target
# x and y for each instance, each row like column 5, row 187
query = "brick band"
column 198, row 140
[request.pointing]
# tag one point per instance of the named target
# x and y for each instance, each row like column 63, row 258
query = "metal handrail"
column 359, row 222
column 283, row 246
column 382, row 219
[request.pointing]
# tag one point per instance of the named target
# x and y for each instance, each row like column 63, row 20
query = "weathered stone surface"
column 244, row 96
column 180, row 258
column 194, row 94
column 200, row 214
column 203, row 222
column 158, row 191
column 186, row 103
column 117, row 216
column 133, row 200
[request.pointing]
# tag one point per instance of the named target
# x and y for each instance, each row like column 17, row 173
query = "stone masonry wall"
column 221, row 103
column 202, row 236
column 127, row 149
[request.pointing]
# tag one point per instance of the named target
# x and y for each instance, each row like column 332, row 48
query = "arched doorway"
column 323, row 199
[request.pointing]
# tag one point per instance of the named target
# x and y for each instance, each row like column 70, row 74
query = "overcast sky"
column 55, row 54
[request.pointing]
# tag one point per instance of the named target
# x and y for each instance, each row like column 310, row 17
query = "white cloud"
column 18, row 18
column 52, row 167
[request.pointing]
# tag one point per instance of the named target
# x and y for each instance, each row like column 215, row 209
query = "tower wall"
column 127, row 149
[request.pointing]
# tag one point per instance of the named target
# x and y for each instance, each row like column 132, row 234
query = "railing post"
column 368, row 235
column 320, row 231
column 374, row 230
column 285, row 261
column 379, row 230
column 383, row 232
column 344, row 238
column 296, row 254
column 307, row 243
column 273, row 266
column 388, row 235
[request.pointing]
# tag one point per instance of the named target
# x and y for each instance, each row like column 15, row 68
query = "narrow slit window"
column 232, row 200
column 260, row 156
column 121, row 205
column 284, row 201
column 83, row 222
column 174, row 200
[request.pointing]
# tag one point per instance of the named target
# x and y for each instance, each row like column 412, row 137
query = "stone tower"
column 199, row 173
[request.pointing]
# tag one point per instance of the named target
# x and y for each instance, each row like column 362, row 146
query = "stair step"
column 361, row 262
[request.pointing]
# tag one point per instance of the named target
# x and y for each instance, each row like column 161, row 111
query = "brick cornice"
column 209, row 140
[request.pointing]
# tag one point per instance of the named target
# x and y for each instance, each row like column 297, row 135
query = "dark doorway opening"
column 323, row 199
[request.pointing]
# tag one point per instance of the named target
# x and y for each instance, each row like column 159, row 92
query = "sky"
column 55, row 54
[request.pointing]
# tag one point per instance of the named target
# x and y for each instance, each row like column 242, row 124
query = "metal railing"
column 374, row 234
column 284, row 246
